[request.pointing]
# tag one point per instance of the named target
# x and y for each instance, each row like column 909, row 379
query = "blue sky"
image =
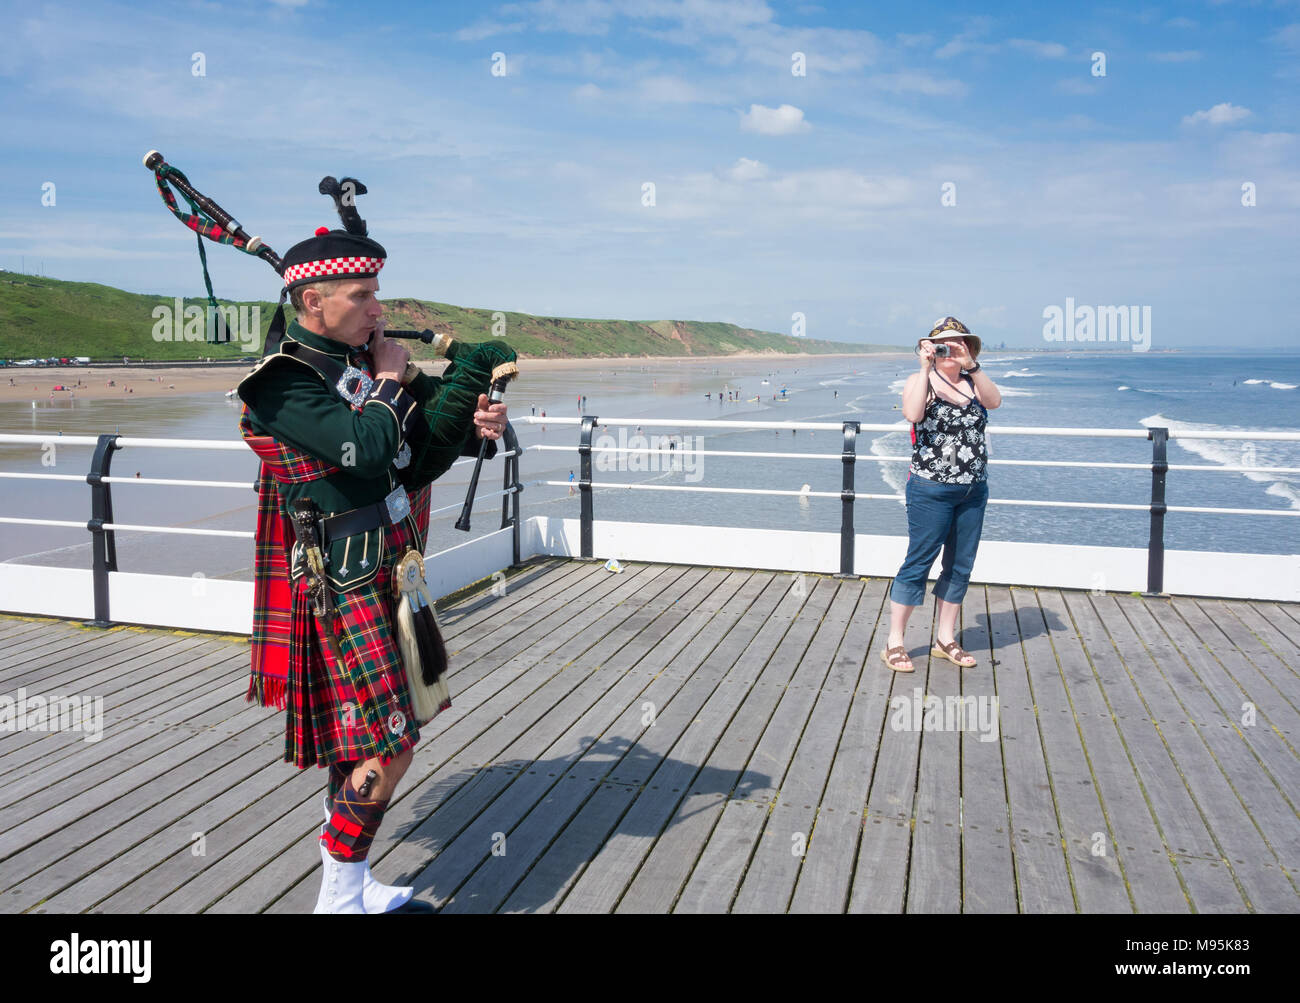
column 775, row 193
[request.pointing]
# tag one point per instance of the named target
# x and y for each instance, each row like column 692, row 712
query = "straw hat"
column 950, row 327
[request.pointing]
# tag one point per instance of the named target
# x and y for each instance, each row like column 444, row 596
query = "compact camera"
column 942, row 351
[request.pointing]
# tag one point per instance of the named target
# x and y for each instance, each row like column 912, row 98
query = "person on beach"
column 947, row 401
column 333, row 411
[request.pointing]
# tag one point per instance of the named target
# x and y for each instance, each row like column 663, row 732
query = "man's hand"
column 489, row 421
column 389, row 357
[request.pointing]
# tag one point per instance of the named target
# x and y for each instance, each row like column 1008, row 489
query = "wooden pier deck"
column 690, row 739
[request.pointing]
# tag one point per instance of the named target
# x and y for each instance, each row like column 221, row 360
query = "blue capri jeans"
column 947, row 516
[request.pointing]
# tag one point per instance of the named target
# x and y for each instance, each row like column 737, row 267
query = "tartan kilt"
column 364, row 711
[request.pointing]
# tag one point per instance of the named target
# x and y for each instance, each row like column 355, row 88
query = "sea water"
column 1179, row 391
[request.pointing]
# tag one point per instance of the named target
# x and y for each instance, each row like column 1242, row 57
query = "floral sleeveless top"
column 948, row 445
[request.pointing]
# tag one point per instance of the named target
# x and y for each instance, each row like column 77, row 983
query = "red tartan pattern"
column 348, row 714
column 198, row 223
column 335, row 714
column 272, row 601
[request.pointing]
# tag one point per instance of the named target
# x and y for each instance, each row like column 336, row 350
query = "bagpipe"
column 482, row 368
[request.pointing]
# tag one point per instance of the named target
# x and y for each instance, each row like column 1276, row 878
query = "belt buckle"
column 399, row 505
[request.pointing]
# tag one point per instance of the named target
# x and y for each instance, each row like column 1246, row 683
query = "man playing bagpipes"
column 350, row 434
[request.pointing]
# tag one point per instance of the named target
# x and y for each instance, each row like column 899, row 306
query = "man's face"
column 351, row 311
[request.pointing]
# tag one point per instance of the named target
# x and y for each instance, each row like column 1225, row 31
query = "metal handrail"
column 102, row 526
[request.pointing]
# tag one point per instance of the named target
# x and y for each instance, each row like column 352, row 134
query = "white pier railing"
column 848, row 553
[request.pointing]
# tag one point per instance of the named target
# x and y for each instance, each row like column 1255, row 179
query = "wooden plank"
column 437, row 807
column 481, row 814
column 124, row 696
column 1200, row 761
column 817, row 713
column 56, row 653
column 440, row 790
column 542, row 825
column 721, row 867
column 236, row 846
column 1042, row 877
column 675, row 629
column 697, row 785
column 45, row 811
column 90, row 761
column 1270, row 654
column 665, row 760
column 1284, row 648
column 826, row 872
column 105, row 851
column 1242, row 754
column 987, row 864
column 549, row 880
column 1102, row 800
column 1143, row 720
column 1077, row 769
column 881, row 871
column 1216, row 699
column 1285, row 619
column 934, row 869
column 794, row 622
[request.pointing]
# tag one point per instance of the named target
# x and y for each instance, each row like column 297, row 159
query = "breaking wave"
column 1238, row 452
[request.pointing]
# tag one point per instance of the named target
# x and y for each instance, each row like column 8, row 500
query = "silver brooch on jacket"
column 354, row 386
column 403, row 458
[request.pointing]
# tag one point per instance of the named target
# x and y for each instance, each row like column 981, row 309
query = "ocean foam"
column 1237, row 452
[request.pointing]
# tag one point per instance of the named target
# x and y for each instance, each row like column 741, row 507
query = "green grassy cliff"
column 42, row 317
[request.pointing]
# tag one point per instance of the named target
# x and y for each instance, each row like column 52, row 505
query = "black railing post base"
column 1159, row 437
column 586, row 546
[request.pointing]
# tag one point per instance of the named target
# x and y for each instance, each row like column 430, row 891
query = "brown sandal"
column 954, row 654
column 895, row 657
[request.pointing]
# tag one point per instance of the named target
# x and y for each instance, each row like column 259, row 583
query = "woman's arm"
column 985, row 389
column 915, row 392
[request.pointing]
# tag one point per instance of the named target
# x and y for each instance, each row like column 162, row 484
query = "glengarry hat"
column 951, row 327
column 332, row 254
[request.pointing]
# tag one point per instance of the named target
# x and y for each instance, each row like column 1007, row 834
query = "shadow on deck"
column 698, row 740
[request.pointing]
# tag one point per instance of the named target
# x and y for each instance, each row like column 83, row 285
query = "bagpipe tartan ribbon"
column 202, row 226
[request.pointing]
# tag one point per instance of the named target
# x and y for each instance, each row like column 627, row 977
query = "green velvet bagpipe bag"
column 446, row 425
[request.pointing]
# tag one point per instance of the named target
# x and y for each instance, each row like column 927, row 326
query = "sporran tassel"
column 424, row 655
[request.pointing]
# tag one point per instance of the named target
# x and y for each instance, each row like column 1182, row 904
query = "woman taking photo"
column 948, row 403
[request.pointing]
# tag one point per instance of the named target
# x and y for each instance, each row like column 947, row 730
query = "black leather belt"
column 359, row 520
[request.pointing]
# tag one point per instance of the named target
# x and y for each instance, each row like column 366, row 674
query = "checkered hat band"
column 328, row 268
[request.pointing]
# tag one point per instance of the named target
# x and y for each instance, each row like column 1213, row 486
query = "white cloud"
column 783, row 121
column 587, row 92
column 1221, row 114
column 576, row 17
column 1180, row 22
column 745, row 169
column 486, row 29
column 1288, row 36
column 1073, row 85
column 673, row 90
column 1185, row 56
column 918, row 83
column 1043, row 50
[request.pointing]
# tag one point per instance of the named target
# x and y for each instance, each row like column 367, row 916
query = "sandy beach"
column 102, row 382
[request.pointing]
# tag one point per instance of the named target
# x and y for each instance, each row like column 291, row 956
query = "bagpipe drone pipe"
column 475, row 368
